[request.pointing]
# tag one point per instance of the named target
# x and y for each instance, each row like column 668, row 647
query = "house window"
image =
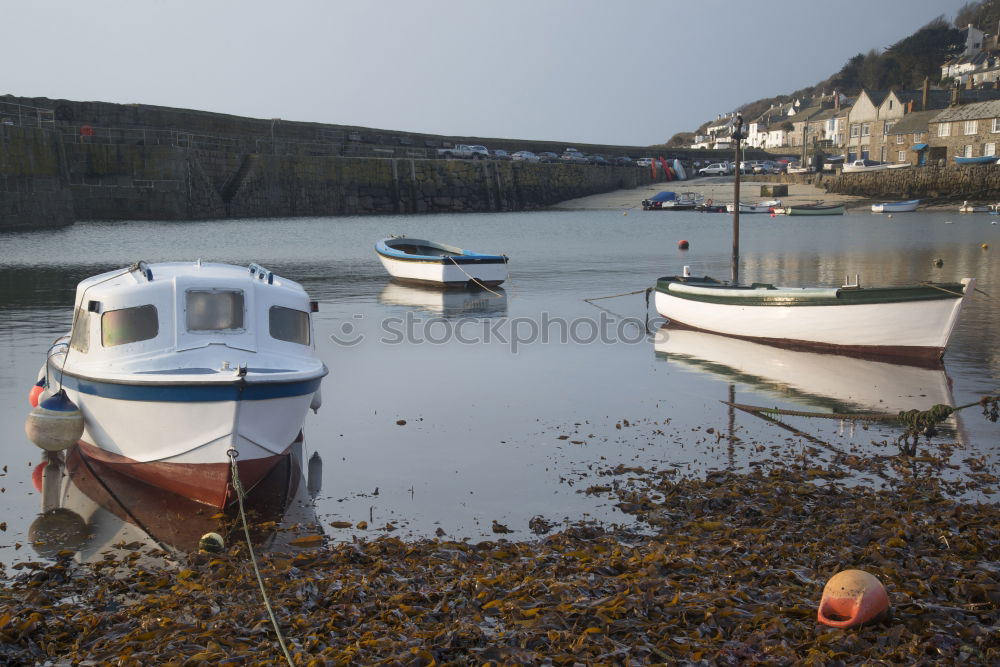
column 996, row 125
column 855, row 131
column 970, row 126
column 901, row 156
column 886, row 127
column 899, row 138
column 944, row 129
column 989, row 149
column 967, row 151
column 918, row 137
column 866, row 130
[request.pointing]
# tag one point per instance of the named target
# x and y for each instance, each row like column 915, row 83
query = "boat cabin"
column 147, row 311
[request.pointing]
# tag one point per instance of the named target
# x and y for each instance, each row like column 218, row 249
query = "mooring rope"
column 473, row 279
column 238, row 487
column 614, row 296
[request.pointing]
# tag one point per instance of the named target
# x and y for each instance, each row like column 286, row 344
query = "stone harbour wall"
column 47, row 180
column 34, row 189
column 950, row 182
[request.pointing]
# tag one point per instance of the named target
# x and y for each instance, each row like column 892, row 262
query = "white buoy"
column 55, row 424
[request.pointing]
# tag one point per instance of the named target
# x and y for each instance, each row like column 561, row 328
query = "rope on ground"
column 238, row 487
column 471, row 277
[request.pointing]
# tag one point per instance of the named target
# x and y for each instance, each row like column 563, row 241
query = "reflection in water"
column 825, row 382
column 93, row 510
column 447, row 302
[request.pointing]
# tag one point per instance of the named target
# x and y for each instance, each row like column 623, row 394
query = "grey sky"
column 594, row 71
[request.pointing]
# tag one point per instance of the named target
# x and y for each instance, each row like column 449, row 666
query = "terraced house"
column 968, row 130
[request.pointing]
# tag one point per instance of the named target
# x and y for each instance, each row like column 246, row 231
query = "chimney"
column 925, row 95
column 969, row 83
column 956, row 94
column 909, row 107
column 836, row 100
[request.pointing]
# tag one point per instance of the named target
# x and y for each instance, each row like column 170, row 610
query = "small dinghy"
column 896, row 207
column 430, row 263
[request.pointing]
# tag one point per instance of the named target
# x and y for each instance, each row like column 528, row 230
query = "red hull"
column 209, row 483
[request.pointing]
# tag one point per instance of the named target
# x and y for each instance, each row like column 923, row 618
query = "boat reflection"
column 447, row 302
column 93, row 510
column 823, row 382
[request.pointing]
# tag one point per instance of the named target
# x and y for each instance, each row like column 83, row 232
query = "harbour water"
column 450, row 413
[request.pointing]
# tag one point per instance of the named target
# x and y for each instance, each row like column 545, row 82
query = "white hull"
column 896, row 207
column 924, row 325
column 444, row 272
column 191, row 432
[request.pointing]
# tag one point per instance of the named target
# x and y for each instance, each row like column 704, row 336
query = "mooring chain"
column 238, row 487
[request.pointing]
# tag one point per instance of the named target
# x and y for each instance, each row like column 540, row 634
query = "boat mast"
column 737, row 137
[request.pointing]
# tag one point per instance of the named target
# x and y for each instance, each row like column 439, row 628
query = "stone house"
column 908, row 138
column 972, row 57
column 969, row 130
column 862, row 121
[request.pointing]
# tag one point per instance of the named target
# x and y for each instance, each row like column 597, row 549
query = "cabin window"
column 80, row 339
column 944, row 129
column 289, row 325
column 214, row 310
column 129, row 325
column 970, row 126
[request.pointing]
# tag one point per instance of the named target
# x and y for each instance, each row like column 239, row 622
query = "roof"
column 941, row 99
column 973, row 111
column 915, row 121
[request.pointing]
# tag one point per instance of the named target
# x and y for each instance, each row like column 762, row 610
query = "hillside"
column 905, row 64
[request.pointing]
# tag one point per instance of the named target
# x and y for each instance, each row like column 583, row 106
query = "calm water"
column 513, row 402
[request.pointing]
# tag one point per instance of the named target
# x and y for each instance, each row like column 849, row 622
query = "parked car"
column 623, row 161
column 765, row 167
column 500, row 154
column 598, row 160
column 548, row 156
column 574, row 156
column 525, row 156
column 716, row 169
column 644, row 162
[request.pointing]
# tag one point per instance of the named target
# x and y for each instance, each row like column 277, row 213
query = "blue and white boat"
column 896, row 206
column 179, row 367
column 982, row 159
column 430, row 263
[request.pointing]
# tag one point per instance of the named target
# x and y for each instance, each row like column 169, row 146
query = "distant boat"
column 896, row 207
column 428, row 262
column 671, row 201
column 983, row 159
column 759, row 207
column 811, row 209
column 872, row 165
column 966, row 207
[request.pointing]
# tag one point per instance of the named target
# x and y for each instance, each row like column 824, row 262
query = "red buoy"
column 852, row 598
column 683, row 245
column 36, row 474
column 35, row 392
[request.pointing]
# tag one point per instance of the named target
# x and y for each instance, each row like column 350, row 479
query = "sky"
column 625, row 72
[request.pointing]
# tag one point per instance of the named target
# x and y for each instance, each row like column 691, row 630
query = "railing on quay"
column 25, row 116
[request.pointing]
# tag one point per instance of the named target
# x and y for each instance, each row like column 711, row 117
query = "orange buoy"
column 36, row 391
column 852, row 598
column 683, row 245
